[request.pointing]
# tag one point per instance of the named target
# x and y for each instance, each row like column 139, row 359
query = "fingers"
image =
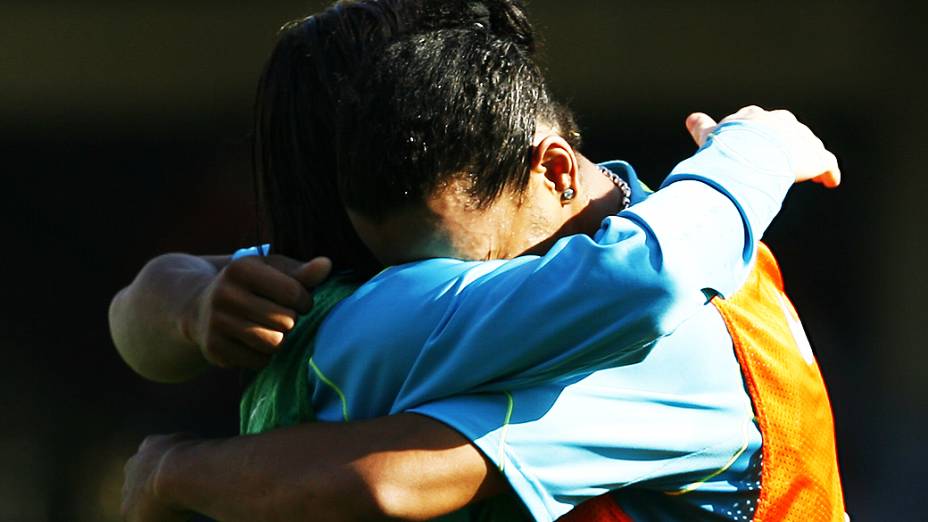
column 700, row 125
column 257, row 337
column 267, row 281
column 230, row 353
column 313, row 273
column 831, row 178
column 252, row 305
column 745, row 113
column 809, row 159
column 258, row 310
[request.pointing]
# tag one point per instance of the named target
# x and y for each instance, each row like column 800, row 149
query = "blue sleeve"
column 441, row 327
column 679, row 420
column 747, row 163
column 251, row 251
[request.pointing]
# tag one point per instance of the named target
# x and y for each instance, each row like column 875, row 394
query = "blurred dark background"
column 124, row 133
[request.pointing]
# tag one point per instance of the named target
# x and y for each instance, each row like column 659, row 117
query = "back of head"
column 457, row 102
column 295, row 125
column 303, row 82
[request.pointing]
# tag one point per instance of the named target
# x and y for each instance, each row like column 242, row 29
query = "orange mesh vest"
column 799, row 475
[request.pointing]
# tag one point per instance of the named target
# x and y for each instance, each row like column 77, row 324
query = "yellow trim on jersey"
column 734, row 458
column 502, row 437
column 332, row 385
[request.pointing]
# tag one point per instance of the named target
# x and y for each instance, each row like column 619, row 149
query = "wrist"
column 209, row 477
column 174, row 482
column 165, row 479
column 754, row 144
column 188, row 323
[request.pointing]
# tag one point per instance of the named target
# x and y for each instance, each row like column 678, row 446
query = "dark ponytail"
column 294, row 137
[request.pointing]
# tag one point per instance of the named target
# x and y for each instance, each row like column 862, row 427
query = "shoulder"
column 325, row 297
column 421, row 289
column 333, row 290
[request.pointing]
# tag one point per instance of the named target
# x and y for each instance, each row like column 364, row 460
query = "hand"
column 810, row 159
column 240, row 318
column 140, row 500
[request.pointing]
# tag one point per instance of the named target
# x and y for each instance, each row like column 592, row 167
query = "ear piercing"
column 568, row 194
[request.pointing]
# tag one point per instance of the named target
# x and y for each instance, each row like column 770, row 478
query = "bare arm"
column 404, row 466
column 183, row 312
column 150, row 319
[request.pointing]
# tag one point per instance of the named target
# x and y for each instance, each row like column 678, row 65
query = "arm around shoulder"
column 406, row 467
column 184, row 312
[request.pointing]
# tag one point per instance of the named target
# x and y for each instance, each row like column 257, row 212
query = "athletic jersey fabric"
column 800, row 480
column 277, row 396
column 503, row 350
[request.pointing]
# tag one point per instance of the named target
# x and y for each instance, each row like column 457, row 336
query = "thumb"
column 831, row 178
column 699, row 125
column 314, row 272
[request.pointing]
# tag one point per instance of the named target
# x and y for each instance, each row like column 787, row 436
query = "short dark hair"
column 456, row 103
column 303, row 82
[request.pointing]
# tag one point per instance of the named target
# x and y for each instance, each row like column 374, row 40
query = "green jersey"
column 280, row 394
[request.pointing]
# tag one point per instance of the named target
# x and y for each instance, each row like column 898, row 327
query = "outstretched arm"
column 405, row 466
column 183, row 312
column 589, row 302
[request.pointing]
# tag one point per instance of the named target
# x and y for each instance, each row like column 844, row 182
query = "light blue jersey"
column 503, row 350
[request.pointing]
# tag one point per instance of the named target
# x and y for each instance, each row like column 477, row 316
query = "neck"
column 603, row 198
column 597, row 199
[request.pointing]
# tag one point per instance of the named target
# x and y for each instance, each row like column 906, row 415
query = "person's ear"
column 554, row 159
